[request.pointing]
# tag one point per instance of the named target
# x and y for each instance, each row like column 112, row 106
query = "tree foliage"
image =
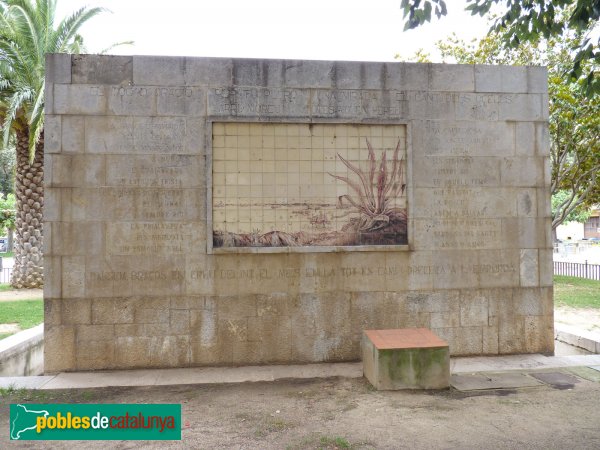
column 27, row 33
column 7, row 169
column 7, row 211
column 574, row 124
column 579, row 214
column 522, row 21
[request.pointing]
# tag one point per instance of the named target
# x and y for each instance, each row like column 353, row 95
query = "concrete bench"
column 409, row 358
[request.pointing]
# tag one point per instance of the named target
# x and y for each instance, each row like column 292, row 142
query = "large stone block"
column 102, row 69
column 59, row 349
column 113, row 310
column 52, row 311
column 76, row 311
column 377, row 310
column 58, row 68
column 52, row 134
column 523, row 171
column 523, row 107
column 501, row 79
column 529, row 268
column 158, row 71
column 73, row 131
column 454, row 78
column 73, row 277
column 96, row 354
column 463, row 341
column 52, row 277
column 80, row 99
column 78, row 239
column 87, row 333
column 405, row 359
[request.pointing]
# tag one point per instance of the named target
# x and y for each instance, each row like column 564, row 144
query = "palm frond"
column 69, row 27
column 15, row 104
column 116, row 44
column 27, row 33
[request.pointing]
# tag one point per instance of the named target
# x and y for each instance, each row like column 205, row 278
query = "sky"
column 355, row 30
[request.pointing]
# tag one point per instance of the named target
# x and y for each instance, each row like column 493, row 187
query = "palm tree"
column 27, row 33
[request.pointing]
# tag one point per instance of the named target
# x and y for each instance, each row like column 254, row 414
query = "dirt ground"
column 313, row 413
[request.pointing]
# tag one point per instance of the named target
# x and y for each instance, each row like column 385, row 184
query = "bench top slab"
column 404, row 338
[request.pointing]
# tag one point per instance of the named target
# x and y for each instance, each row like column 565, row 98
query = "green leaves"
column 416, row 15
column 27, row 33
column 522, row 21
column 7, row 211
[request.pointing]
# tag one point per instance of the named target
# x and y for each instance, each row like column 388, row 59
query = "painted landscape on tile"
column 291, row 185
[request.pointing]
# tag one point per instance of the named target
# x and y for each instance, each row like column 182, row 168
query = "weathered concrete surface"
column 587, row 340
column 130, row 281
column 22, row 354
column 413, row 358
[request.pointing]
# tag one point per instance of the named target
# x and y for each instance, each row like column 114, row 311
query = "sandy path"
column 21, row 294
column 584, row 318
column 309, row 414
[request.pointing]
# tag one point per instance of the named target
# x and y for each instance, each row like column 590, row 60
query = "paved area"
column 558, row 411
column 220, row 375
column 480, row 381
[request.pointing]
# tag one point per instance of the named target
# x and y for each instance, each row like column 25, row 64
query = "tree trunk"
column 28, row 270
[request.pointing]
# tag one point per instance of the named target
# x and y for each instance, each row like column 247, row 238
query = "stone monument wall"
column 207, row 211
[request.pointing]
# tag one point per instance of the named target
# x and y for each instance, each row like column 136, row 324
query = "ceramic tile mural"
column 290, row 184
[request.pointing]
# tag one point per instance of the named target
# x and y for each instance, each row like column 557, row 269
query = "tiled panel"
column 310, row 184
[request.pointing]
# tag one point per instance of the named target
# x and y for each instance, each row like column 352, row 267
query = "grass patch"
column 326, row 443
column 6, row 255
column 272, row 426
column 334, row 442
column 5, row 287
column 12, row 394
column 576, row 292
column 26, row 313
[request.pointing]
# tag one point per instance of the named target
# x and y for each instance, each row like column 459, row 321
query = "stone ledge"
column 587, row 340
column 22, row 353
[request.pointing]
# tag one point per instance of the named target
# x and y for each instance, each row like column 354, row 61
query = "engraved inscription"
column 249, row 101
column 465, row 202
column 158, row 135
column 324, row 272
column 349, row 103
column 464, row 138
column 146, row 238
column 151, row 204
column 462, row 171
column 238, row 101
column 169, row 171
column 460, row 233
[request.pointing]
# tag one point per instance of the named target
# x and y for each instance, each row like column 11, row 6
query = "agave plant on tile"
column 374, row 193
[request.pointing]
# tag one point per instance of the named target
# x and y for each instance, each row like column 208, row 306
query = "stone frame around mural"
column 408, row 191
